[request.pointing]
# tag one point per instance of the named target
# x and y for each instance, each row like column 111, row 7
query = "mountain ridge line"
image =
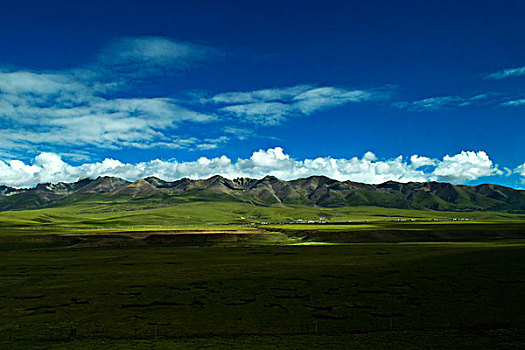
column 318, row 191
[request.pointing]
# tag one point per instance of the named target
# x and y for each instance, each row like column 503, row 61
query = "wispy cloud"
column 54, row 109
column 459, row 168
column 139, row 57
column 442, row 102
column 264, row 95
column 82, row 107
column 507, row 73
column 150, row 51
column 518, row 102
column 212, row 143
column 263, row 113
column 274, row 106
column 239, row 133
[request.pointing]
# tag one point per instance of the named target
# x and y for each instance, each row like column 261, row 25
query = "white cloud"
column 418, row 161
column 370, row 156
column 264, row 95
column 65, row 109
column 324, row 97
column 37, row 84
column 459, row 168
column 507, row 73
column 518, row 102
column 441, row 102
column 520, row 170
column 465, row 166
column 274, row 106
column 85, row 106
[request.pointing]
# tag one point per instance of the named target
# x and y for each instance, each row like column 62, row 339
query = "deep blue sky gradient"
column 415, row 49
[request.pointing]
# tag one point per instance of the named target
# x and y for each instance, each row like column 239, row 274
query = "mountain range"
column 317, row 191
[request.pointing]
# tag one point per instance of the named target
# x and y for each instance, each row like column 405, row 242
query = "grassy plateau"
column 230, row 275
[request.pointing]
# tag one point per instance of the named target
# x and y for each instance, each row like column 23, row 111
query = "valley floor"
column 163, row 295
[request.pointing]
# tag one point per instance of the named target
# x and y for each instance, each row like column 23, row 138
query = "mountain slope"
column 318, row 191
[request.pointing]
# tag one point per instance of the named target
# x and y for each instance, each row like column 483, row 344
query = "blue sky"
column 366, row 91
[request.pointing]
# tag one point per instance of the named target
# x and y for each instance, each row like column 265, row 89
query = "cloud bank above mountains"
column 459, row 168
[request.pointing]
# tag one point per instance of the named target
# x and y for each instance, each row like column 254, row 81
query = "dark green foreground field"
column 367, row 295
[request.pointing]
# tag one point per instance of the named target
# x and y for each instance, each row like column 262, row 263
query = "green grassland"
column 364, row 296
column 135, row 274
column 98, row 214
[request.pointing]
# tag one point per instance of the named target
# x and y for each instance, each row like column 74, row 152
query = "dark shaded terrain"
column 434, row 295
